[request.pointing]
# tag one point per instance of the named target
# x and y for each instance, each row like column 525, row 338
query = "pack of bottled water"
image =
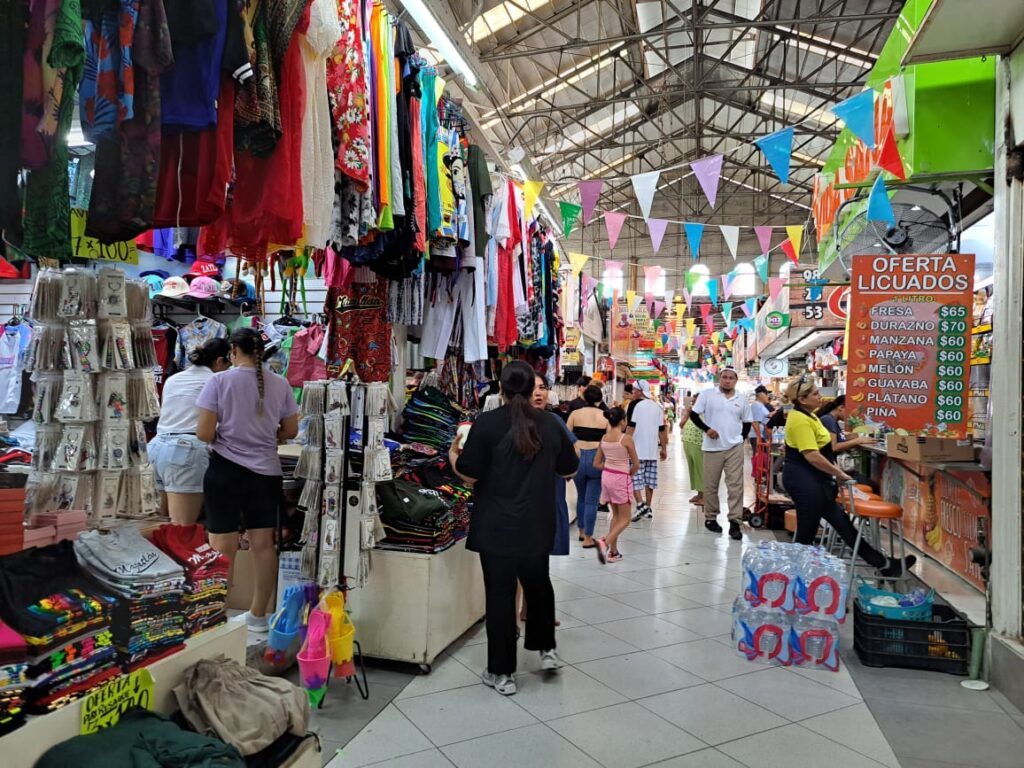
column 793, row 600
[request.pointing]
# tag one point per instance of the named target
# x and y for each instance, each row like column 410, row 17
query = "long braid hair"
column 250, row 342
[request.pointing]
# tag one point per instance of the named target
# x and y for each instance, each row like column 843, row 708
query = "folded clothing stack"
column 13, row 666
column 67, row 524
column 430, row 417
column 435, row 533
column 64, row 617
column 39, row 535
column 206, row 574
column 147, row 621
column 436, row 473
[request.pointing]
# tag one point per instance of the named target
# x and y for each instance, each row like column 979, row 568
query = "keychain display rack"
column 92, row 358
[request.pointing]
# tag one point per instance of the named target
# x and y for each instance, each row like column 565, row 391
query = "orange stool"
column 868, row 514
column 865, row 488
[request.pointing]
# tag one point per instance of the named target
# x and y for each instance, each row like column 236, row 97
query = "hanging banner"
column 910, row 342
column 750, row 307
column 795, row 233
column 590, row 191
column 858, row 112
column 761, row 263
column 652, row 273
column 889, row 157
column 731, row 235
column 576, row 261
column 621, row 343
column 764, row 238
column 656, row 228
column 787, row 248
column 571, row 354
column 613, row 221
column 879, row 207
column 694, row 233
column 531, row 191
column 570, row 212
column 644, row 187
column 713, row 291
column 777, row 149
column 708, row 170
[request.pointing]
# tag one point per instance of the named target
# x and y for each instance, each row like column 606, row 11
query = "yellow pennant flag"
column 728, row 344
column 531, row 191
column 691, row 327
column 630, row 298
column 795, row 233
column 716, row 336
column 577, row 260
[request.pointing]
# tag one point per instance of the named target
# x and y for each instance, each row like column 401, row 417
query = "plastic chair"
column 868, row 515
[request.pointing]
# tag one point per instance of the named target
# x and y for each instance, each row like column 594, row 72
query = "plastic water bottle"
column 814, row 643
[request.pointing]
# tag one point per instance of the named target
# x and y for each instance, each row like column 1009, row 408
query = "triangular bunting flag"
column 652, row 273
column 531, row 191
column 879, row 207
column 691, row 327
column 656, row 229
column 613, row 221
column 687, row 296
column 649, row 301
column 787, row 248
column 775, row 287
column 764, row 238
column 630, row 297
column 614, row 267
column 796, row 237
column 727, row 284
column 708, row 170
column 694, row 233
column 590, row 191
column 716, row 337
column 858, row 112
column 709, row 321
column 692, row 281
column 713, row 291
column 644, row 186
column 778, row 149
column 659, row 307
column 727, row 312
column 761, row 264
column 634, row 300
column 698, row 340
column 889, row 156
column 732, row 238
column 577, row 260
column 570, row 212
column 750, row 307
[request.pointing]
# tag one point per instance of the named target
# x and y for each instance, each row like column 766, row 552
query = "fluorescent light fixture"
column 810, row 341
column 432, row 28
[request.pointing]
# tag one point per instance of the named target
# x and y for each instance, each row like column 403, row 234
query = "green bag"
column 400, row 500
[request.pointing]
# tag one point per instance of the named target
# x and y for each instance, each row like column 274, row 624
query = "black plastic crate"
column 942, row 644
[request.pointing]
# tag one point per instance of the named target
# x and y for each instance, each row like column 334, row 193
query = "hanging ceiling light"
column 437, row 35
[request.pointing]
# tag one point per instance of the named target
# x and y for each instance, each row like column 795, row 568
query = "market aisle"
column 651, row 678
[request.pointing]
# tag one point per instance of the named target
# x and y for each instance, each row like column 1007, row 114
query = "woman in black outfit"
column 810, row 474
column 514, row 456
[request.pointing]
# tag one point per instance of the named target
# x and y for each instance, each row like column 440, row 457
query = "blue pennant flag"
column 713, row 291
column 858, row 112
column 777, row 149
column 694, row 233
column 879, row 207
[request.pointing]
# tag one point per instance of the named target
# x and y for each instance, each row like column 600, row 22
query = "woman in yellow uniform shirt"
column 810, row 474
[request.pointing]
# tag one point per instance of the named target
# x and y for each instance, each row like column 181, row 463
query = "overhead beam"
column 848, row 18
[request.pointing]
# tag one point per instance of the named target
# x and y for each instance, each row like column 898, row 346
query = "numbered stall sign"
column 910, row 340
column 84, row 247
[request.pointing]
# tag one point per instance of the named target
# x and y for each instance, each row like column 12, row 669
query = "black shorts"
column 236, row 498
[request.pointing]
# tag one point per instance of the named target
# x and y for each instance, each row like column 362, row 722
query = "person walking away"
column 760, row 412
column 723, row 415
column 670, row 413
column 693, row 441
column 244, row 412
column 179, row 458
column 618, row 462
column 810, row 475
column 647, row 428
column 633, row 396
column 588, row 424
column 581, row 386
column 514, row 457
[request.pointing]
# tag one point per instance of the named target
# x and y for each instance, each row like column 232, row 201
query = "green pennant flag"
column 570, row 213
column 693, row 280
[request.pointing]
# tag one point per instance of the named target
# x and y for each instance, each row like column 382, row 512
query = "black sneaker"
column 648, row 512
column 713, row 526
column 640, row 511
column 602, row 507
column 735, row 532
column 895, row 567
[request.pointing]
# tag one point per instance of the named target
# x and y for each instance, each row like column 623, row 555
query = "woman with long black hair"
column 810, row 475
column 514, row 457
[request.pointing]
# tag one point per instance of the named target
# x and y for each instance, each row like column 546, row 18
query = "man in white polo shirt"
column 724, row 417
column 647, row 426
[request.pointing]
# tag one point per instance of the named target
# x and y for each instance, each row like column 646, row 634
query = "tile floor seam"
column 789, row 721
column 846, row 746
column 413, row 724
column 441, row 749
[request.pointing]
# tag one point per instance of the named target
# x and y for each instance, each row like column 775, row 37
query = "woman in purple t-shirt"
column 244, row 413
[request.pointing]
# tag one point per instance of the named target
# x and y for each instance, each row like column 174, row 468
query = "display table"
column 27, row 744
column 414, row 605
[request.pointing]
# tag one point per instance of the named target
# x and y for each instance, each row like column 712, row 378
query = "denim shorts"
column 179, row 463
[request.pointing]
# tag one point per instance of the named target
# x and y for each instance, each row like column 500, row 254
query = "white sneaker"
column 549, row 661
column 503, row 684
column 259, row 624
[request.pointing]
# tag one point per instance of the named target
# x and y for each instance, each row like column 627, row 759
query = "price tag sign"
column 84, row 247
column 103, row 707
column 910, row 340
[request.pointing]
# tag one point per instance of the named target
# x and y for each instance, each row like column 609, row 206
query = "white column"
column 1006, row 358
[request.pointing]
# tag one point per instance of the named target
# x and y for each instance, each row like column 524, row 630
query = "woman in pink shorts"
column 617, row 459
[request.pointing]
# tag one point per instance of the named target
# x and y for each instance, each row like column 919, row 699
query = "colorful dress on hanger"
column 107, row 96
column 346, row 82
column 358, row 330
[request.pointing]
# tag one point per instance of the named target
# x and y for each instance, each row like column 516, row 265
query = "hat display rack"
column 92, row 358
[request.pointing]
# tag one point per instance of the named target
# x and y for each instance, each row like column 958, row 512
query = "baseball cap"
column 163, row 274
column 204, row 267
column 155, row 283
column 237, row 291
column 645, row 387
column 204, row 288
column 174, row 287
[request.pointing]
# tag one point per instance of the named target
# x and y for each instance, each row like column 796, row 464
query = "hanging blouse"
column 359, row 330
column 107, row 96
column 43, row 85
column 346, row 81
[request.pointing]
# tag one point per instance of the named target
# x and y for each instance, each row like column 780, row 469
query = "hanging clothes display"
column 358, row 330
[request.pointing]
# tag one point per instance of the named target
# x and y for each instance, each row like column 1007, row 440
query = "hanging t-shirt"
column 359, row 330
column 10, row 370
column 194, row 335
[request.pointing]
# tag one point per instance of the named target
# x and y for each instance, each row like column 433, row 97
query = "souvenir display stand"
column 28, row 743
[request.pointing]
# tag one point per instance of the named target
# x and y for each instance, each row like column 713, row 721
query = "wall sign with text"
column 910, row 337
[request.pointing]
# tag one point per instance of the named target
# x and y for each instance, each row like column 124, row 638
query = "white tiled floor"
column 651, row 679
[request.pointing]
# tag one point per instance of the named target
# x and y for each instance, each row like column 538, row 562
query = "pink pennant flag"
column 687, row 299
column 613, row 266
column 698, row 340
column 775, row 286
column 649, row 301
column 613, row 221
column 656, row 228
column 659, row 307
column 709, row 323
column 727, row 285
column 652, row 273
column 708, row 170
column 590, row 191
column 764, row 238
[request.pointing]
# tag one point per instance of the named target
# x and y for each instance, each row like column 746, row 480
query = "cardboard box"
column 928, row 449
